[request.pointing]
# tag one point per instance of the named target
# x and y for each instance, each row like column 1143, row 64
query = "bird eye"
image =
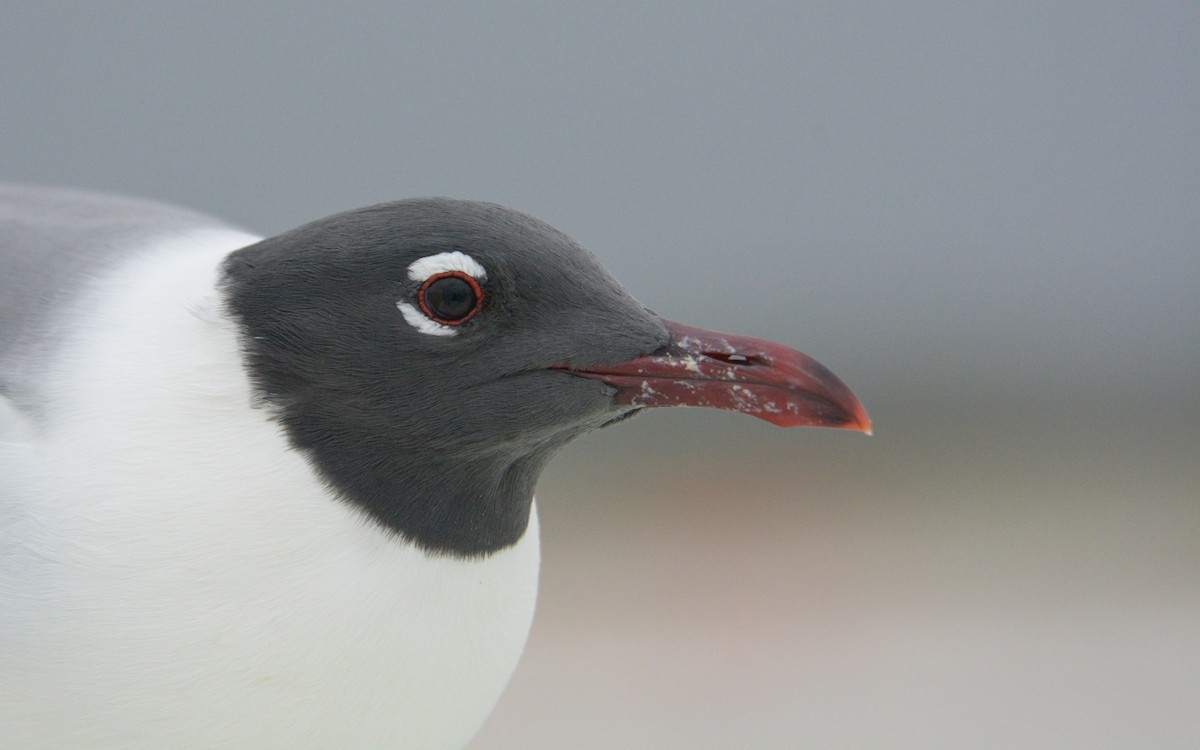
column 450, row 298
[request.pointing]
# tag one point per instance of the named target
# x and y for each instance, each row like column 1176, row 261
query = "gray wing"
column 51, row 243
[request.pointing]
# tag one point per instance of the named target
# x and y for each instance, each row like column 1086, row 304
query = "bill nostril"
column 733, row 358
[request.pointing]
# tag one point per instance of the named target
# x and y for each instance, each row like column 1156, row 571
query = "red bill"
column 736, row 373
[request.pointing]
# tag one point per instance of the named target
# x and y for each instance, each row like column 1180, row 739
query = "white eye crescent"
column 431, row 265
column 431, row 269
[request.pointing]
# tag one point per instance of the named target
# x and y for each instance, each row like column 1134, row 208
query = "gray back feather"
column 52, row 242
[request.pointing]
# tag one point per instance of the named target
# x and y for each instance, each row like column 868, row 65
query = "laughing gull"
column 278, row 492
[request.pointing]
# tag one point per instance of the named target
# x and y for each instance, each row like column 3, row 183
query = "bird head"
column 429, row 356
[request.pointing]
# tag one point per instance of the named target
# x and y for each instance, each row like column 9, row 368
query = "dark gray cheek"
column 530, row 407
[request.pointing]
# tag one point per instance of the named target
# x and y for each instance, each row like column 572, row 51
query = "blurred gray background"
column 986, row 220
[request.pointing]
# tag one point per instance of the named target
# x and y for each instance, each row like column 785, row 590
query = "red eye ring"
column 442, row 319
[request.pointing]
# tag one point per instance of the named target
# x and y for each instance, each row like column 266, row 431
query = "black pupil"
column 450, row 298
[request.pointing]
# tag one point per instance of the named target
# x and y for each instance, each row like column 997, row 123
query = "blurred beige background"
column 965, row 578
column 985, row 219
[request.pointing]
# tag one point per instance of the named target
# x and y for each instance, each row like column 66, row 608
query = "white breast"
column 173, row 575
